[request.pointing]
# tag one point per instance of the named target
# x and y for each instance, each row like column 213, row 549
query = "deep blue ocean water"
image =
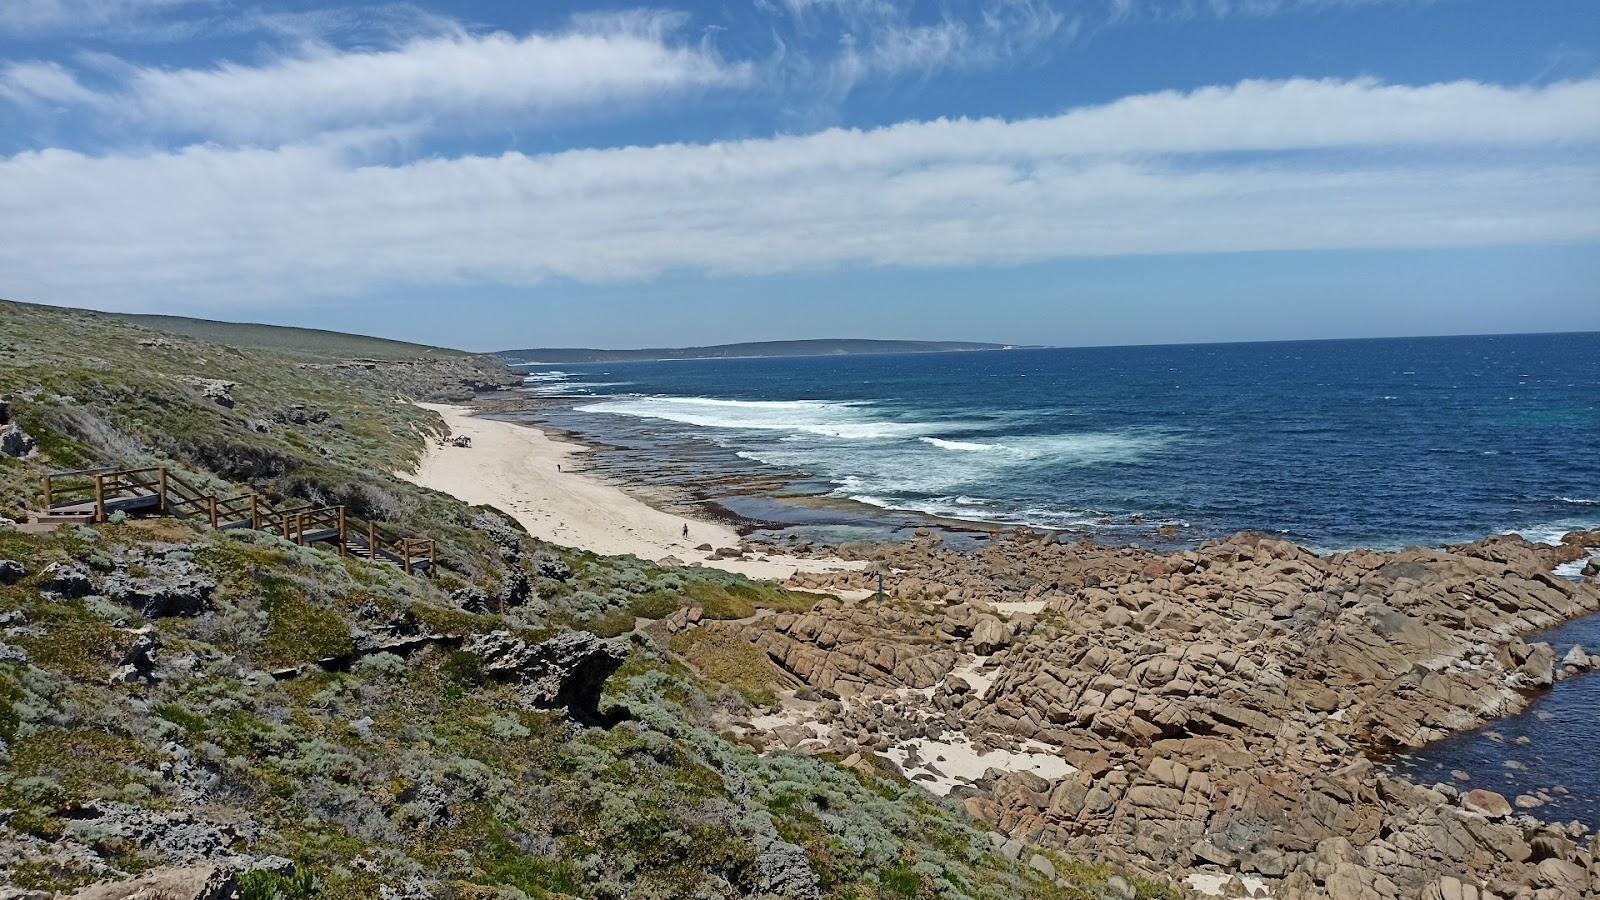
column 1336, row 444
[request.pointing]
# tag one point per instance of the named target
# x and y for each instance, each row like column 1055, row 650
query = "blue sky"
column 489, row 174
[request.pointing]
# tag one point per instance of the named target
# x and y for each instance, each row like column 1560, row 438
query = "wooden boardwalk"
column 93, row 495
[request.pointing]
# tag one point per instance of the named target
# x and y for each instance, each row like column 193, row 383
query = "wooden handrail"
column 176, row 496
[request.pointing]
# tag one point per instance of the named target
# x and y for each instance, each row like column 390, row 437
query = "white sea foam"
column 1550, row 534
column 964, row 446
column 848, row 420
column 552, row 375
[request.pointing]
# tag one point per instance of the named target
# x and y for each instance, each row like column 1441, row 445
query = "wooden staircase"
column 92, row 495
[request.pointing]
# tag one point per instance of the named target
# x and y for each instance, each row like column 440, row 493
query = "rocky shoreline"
column 1216, row 709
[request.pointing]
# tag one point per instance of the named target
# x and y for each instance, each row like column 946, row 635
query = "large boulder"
column 1486, row 803
column 568, row 670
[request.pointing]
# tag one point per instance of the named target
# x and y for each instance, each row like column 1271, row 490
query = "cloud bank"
column 1357, row 164
column 445, row 79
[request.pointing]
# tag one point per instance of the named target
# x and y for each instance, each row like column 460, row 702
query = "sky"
column 490, row 175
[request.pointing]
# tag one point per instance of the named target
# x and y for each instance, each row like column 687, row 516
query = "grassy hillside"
column 835, row 347
column 284, row 339
column 139, row 723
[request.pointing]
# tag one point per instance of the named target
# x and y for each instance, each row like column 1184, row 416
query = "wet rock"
column 12, row 571
column 568, row 670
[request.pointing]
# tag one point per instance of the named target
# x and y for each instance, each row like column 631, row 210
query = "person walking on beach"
column 686, row 531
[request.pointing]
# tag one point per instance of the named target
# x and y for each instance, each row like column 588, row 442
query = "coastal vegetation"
column 309, row 724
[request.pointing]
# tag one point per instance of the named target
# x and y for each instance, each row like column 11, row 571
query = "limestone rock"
column 568, row 670
column 198, row 881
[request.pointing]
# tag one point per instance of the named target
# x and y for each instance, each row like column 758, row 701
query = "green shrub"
column 263, row 885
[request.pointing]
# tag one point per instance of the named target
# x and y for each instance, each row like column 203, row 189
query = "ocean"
column 1334, row 444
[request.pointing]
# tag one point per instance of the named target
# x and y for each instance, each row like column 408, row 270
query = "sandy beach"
column 515, row 468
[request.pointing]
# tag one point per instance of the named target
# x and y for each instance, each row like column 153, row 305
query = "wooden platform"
column 91, row 496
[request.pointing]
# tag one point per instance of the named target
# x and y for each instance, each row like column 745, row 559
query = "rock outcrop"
column 568, row 670
column 1216, row 706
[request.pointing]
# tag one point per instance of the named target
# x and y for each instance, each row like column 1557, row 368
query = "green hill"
column 299, row 341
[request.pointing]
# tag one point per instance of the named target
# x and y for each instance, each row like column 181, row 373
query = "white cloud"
column 833, row 46
column 36, row 84
column 452, row 78
column 1379, row 166
column 80, row 17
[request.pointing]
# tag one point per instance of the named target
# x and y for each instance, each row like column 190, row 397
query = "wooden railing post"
column 432, row 564
column 99, row 498
column 161, row 479
column 213, row 511
column 342, row 550
column 372, row 541
column 255, row 517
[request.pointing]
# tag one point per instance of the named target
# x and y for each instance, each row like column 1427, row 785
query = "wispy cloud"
column 454, row 78
column 831, row 47
column 1378, row 166
column 36, row 84
column 95, row 17
column 1182, row 10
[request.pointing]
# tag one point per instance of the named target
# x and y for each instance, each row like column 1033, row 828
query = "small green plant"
column 264, row 885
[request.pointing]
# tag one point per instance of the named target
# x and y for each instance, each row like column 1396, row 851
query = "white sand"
column 1211, row 884
column 958, row 761
column 1012, row 607
column 513, row 467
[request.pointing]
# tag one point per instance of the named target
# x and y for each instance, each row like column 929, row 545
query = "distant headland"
column 821, row 347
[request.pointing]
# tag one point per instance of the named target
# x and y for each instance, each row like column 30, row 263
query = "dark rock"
column 15, row 442
column 216, row 390
column 139, row 663
column 566, row 671
column 514, row 591
column 554, row 569
column 175, row 587
column 70, row 580
column 299, row 415
column 508, row 539
column 12, row 571
column 472, row 599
